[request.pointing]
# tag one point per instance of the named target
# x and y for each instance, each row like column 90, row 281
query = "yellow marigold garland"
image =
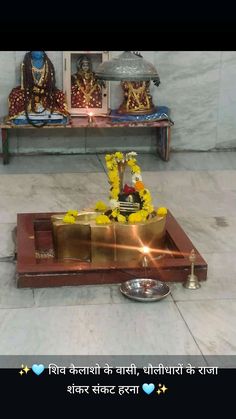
column 112, row 163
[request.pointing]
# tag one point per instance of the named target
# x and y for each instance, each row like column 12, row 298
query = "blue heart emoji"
column 148, row 388
column 38, row 369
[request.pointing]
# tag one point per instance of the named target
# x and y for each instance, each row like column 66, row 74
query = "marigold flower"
column 109, row 165
column 114, row 193
column 112, row 175
column 69, row 219
column 108, row 157
column 73, row 212
column 100, row 206
column 136, row 169
column 116, row 183
column 102, row 219
column 115, row 212
column 121, row 218
column 148, row 207
column 147, row 198
column 119, row 155
column 162, row 211
column 139, row 185
column 143, row 192
column 135, row 217
column 131, row 163
column 143, row 214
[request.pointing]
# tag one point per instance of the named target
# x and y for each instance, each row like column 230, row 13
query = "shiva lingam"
column 118, row 232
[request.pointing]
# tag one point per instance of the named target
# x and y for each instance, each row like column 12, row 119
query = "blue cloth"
column 160, row 113
column 16, row 121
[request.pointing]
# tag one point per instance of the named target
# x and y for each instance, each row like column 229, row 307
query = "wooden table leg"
column 5, row 149
column 163, row 142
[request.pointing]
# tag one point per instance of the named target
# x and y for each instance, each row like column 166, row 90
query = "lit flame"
column 145, row 250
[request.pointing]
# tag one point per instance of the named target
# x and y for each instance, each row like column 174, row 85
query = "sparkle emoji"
column 162, row 389
column 24, row 370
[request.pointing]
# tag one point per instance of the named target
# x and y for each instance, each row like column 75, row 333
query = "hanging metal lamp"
column 128, row 66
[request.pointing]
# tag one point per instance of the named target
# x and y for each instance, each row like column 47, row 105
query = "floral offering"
column 128, row 203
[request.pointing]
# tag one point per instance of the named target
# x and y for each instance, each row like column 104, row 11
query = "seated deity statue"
column 137, row 98
column 37, row 101
column 86, row 90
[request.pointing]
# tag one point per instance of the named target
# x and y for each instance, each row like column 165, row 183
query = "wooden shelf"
column 163, row 131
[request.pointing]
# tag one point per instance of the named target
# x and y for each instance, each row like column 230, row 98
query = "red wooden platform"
column 37, row 267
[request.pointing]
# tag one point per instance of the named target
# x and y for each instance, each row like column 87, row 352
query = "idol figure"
column 37, row 101
column 86, row 90
column 137, row 98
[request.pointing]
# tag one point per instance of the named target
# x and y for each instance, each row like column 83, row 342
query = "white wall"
column 198, row 86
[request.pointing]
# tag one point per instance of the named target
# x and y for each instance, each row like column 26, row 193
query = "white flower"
column 130, row 155
column 136, row 177
column 114, row 203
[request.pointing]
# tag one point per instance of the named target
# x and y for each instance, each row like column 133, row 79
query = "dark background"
column 186, row 393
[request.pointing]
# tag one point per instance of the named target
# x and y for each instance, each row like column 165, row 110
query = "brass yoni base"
column 87, row 241
column 38, row 267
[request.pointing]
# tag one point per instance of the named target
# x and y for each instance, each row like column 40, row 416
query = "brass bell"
column 192, row 282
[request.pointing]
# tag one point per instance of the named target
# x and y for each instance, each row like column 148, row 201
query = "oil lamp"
column 145, row 251
column 90, row 117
